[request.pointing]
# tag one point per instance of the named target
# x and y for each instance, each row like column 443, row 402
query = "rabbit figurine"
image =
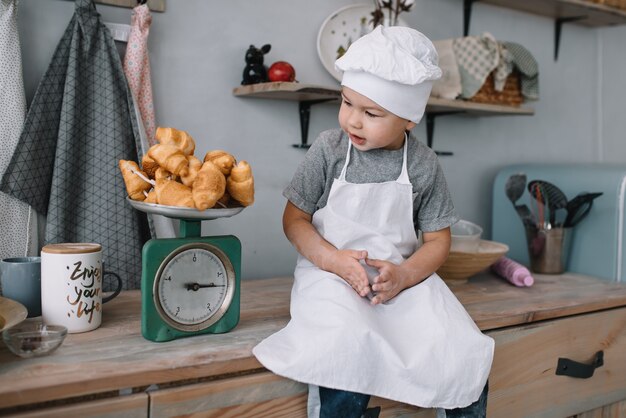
column 255, row 72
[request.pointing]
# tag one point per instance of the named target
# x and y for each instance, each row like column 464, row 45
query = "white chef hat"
column 393, row 66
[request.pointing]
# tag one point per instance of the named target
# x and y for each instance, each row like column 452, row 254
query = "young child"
column 368, row 314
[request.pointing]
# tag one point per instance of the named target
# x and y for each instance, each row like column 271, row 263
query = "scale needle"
column 197, row 286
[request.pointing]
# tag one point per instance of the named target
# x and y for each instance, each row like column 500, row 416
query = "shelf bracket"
column 430, row 130
column 304, row 109
column 558, row 23
column 467, row 15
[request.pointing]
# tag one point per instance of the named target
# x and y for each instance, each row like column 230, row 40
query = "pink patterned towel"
column 137, row 67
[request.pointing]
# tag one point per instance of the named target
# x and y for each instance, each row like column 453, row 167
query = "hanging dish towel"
column 79, row 125
column 527, row 65
column 18, row 222
column 477, row 56
column 137, row 70
column 449, row 85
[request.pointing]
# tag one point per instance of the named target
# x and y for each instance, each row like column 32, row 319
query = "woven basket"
column 511, row 95
column 460, row 266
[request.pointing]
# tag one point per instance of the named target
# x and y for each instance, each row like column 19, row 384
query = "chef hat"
column 393, row 66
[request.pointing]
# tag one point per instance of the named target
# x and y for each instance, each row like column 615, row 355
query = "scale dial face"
column 194, row 286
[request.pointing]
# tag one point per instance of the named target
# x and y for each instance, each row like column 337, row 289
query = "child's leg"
column 476, row 410
column 339, row 403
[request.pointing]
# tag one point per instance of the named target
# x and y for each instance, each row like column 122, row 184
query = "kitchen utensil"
column 578, row 208
column 514, row 189
column 189, row 285
column 550, row 195
column 33, row 338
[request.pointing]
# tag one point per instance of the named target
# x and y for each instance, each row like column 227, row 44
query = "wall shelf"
column 307, row 95
column 581, row 12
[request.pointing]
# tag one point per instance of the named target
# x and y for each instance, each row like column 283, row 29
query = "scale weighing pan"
column 178, row 212
column 190, row 285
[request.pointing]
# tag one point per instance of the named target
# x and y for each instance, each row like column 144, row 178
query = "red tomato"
column 281, row 71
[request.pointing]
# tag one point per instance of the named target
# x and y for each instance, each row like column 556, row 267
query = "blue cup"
column 20, row 278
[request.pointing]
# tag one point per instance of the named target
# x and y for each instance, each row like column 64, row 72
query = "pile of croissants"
column 171, row 175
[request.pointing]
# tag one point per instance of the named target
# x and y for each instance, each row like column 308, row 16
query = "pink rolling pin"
column 513, row 271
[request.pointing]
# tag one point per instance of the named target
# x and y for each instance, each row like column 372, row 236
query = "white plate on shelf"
column 340, row 30
column 178, row 212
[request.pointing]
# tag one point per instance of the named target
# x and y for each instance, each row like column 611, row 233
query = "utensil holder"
column 548, row 249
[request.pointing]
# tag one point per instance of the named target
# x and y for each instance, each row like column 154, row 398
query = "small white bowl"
column 465, row 236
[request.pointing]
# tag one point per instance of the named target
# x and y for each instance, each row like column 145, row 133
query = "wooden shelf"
column 437, row 105
column 288, row 91
column 307, row 95
column 596, row 15
column 307, row 92
column 580, row 12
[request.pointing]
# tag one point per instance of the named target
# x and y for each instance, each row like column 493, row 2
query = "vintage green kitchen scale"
column 189, row 285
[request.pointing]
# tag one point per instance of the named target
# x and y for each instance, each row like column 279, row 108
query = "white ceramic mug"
column 71, row 286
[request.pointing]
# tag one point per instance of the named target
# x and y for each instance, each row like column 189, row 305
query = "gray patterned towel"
column 528, row 68
column 18, row 222
column 79, row 125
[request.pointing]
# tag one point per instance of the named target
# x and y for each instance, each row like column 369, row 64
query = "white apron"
column 420, row 348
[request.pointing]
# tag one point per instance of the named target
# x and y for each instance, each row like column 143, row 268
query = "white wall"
column 197, row 49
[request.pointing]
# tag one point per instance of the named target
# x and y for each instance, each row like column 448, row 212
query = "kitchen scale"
column 189, row 285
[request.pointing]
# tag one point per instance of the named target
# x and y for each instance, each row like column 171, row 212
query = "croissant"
column 162, row 173
column 223, row 160
column 194, row 166
column 151, row 197
column 222, row 202
column 135, row 185
column 149, row 165
column 171, row 158
column 173, row 136
column 173, row 193
column 240, row 183
column 208, row 186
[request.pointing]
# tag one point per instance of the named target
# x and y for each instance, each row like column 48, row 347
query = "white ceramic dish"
column 177, row 212
column 340, row 30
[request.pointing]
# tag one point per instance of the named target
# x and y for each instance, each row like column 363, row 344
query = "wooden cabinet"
column 523, row 378
column 561, row 316
column 131, row 406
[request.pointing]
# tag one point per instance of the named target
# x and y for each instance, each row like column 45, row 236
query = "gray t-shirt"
column 309, row 189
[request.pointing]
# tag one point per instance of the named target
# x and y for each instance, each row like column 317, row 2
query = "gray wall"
column 197, row 49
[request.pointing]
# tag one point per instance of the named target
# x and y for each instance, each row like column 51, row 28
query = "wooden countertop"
column 116, row 356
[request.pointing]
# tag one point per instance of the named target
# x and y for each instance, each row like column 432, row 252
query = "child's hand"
column 389, row 282
column 345, row 264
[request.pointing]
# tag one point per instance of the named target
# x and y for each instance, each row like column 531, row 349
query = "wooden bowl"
column 460, row 265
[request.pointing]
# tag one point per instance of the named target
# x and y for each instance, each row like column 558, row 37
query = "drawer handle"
column 567, row 367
